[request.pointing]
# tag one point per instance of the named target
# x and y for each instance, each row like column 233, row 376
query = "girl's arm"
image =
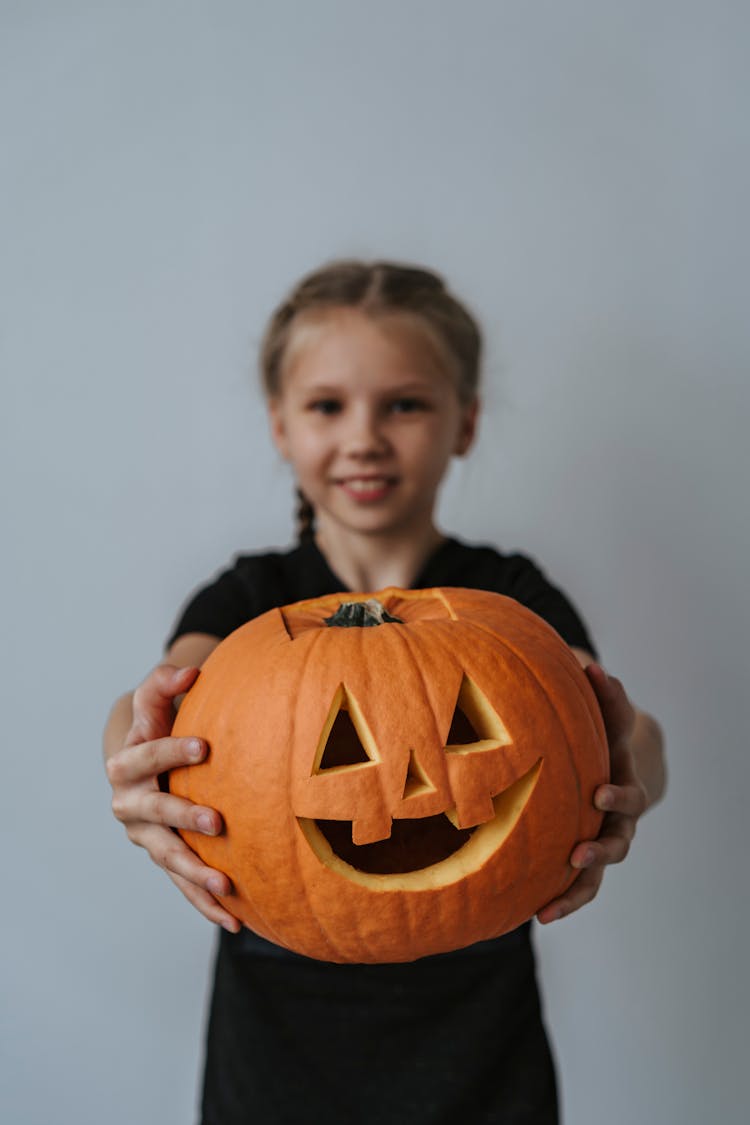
column 637, row 781
column 138, row 747
column 647, row 746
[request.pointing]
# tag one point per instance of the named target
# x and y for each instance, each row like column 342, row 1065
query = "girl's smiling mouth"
column 367, row 488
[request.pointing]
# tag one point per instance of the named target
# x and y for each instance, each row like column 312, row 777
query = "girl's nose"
column 364, row 435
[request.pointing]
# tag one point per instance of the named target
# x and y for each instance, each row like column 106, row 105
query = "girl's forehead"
column 347, row 341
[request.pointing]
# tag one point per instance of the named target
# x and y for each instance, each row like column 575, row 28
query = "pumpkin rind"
column 264, row 701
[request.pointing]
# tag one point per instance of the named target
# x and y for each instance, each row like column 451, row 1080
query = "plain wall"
column 580, row 174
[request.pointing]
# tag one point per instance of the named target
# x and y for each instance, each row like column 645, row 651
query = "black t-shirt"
column 259, row 582
column 455, row 1035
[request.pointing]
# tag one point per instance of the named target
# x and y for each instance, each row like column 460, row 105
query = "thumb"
column 153, row 701
column 617, row 710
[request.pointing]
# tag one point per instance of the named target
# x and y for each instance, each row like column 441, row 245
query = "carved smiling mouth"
column 412, row 845
column 421, row 852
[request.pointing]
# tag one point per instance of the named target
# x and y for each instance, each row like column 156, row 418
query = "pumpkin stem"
column 351, row 615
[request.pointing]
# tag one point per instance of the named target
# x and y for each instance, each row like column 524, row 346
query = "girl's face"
column 369, row 418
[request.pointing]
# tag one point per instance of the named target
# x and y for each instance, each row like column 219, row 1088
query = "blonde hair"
column 376, row 288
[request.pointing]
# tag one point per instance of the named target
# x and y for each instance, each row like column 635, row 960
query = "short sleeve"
column 217, row 608
column 532, row 588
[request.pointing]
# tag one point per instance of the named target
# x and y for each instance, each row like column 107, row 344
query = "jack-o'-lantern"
column 400, row 773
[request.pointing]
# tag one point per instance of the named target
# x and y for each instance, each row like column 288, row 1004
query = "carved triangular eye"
column 475, row 724
column 461, row 730
column 345, row 737
column 343, row 747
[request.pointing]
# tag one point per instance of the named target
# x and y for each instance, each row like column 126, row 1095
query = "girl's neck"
column 371, row 562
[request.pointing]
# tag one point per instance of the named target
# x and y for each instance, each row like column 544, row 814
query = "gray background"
column 580, row 173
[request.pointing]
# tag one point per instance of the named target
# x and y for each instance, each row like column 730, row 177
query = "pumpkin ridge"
column 404, row 639
column 521, row 827
column 533, row 672
column 590, row 702
column 298, row 836
column 312, row 912
column 299, row 884
column 581, row 804
column 385, row 795
column 600, row 736
column 269, row 929
column 587, row 697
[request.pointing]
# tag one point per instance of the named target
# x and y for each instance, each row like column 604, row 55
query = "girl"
column 371, row 378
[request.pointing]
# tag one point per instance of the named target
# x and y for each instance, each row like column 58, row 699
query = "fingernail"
column 588, row 858
column 605, row 800
column 205, row 822
column 215, row 885
column 195, row 748
column 230, row 927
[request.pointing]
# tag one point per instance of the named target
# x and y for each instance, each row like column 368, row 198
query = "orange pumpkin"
column 398, row 790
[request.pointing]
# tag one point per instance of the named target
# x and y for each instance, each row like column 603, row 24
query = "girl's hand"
column 623, row 800
column 149, row 815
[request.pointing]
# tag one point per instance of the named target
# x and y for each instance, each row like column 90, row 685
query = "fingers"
column 148, row 814
column 611, row 846
column 592, row 856
column 207, row 904
column 136, row 798
column 625, row 803
column 623, row 800
column 582, row 891
column 167, row 850
column 145, row 760
column 134, row 806
column 153, row 701
column 627, row 800
column 198, row 883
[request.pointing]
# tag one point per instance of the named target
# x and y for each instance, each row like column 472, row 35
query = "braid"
column 305, row 515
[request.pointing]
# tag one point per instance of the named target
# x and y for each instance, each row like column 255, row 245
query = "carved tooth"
column 370, row 829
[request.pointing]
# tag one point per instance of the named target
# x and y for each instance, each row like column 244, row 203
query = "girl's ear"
column 277, row 427
column 468, row 430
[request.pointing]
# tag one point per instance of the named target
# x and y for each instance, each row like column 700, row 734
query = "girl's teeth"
column 366, row 485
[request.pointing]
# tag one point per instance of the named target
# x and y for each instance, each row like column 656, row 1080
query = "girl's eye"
column 325, row 406
column 408, row 405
